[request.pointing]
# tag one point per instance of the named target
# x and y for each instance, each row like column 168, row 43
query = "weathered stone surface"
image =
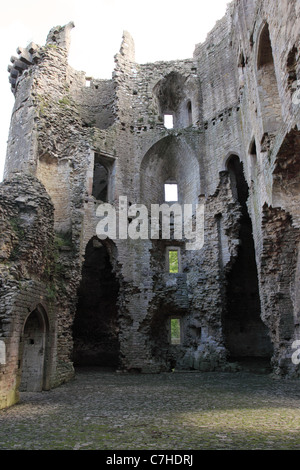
column 233, row 148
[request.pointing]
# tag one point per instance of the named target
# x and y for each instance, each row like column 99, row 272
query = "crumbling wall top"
column 60, row 36
column 127, row 49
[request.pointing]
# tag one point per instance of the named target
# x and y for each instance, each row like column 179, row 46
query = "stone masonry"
column 79, row 145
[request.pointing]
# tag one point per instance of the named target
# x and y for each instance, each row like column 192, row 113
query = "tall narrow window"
column 252, row 149
column 171, row 192
column 102, row 185
column 253, row 157
column 100, row 182
column 189, row 113
column 173, row 260
column 2, row 352
column 175, row 329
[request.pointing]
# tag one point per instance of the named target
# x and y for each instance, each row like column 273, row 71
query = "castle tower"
column 222, row 130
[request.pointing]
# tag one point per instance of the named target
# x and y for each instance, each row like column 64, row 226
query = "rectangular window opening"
column 168, row 121
column 171, row 192
column 173, row 261
column 175, row 331
column 100, row 182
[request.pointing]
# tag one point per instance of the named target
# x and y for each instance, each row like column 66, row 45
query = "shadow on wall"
column 245, row 333
column 95, row 329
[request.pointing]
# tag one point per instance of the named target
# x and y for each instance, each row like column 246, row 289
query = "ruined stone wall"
column 206, row 270
column 279, row 266
column 282, row 18
column 26, row 260
column 234, row 97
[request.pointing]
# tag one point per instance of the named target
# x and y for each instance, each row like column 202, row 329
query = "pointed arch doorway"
column 34, row 352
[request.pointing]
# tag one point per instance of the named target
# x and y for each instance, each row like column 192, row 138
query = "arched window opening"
column 170, row 96
column 270, row 104
column 237, row 179
column 245, row 335
column 170, row 161
column 265, row 54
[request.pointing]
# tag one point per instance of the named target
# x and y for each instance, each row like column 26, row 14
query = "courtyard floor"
column 101, row 410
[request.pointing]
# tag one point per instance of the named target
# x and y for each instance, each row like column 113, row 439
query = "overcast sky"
column 161, row 29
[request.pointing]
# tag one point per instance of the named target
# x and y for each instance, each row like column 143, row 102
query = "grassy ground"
column 176, row 411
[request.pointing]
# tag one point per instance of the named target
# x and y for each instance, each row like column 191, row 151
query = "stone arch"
column 34, row 351
column 169, row 159
column 178, row 95
column 245, row 334
column 95, row 327
column 227, row 158
column 235, row 168
column 268, row 93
